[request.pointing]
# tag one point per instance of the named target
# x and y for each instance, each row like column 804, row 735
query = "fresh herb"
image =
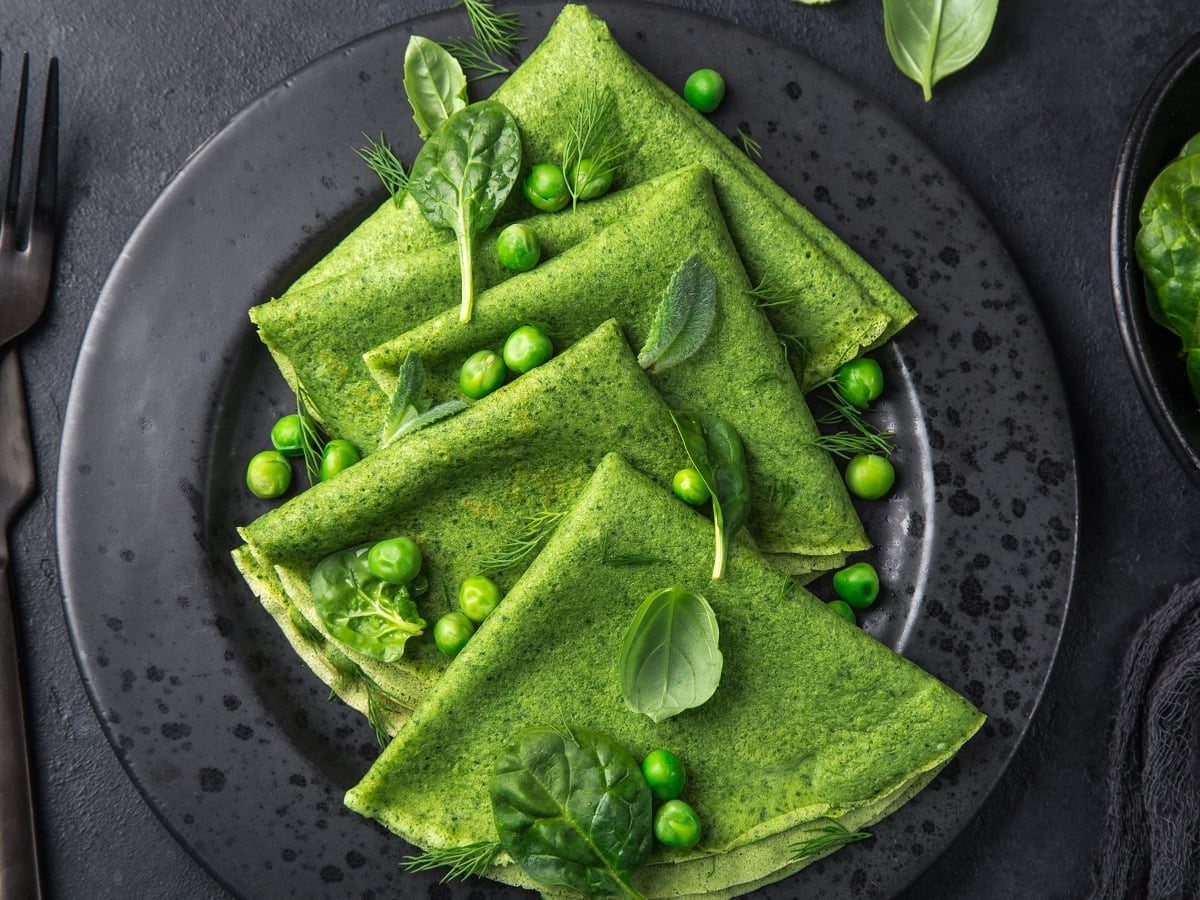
column 409, row 409
column 469, row 861
column 463, row 175
column 716, row 452
column 628, row 559
column 364, row 613
column 670, row 657
column 382, row 160
column 594, row 135
column 684, row 318
column 497, row 32
column 522, row 543
column 476, row 60
column 862, row 436
column 376, row 715
column 930, row 39
column 572, row 808
column 750, row 146
column 312, row 439
column 780, row 492
column 787, row 587
column 768, row 293
column 1168, row 250
column 305, row 628
column 795, row 352
column 825, row 839
column 434, row 82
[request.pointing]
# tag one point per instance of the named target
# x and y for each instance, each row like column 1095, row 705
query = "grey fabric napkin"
column 1151, row 841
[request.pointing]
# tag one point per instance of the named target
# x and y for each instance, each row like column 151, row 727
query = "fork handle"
column 20, row 874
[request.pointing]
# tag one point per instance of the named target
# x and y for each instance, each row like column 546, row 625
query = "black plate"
column 231, row 739
column 1167, row 117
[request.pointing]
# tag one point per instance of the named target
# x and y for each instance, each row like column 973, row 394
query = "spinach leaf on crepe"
column 670, row 658
column 463, row 175
column 572, row 808
column 434, row 83
column 716, row 452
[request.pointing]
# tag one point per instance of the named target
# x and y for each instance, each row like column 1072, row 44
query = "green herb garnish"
column 382, row 160
column 434, row 83
column 684, row 318
column 469, row 861
column 930, row 39
column 750, row 146
column 862, row 436
column 523, row 542
column 312, row 439
column 768, row 293
column 825, row 839
column 628, row 559
column 409, row 409
column 476, row 60
column 497, row 32
column 593, row 135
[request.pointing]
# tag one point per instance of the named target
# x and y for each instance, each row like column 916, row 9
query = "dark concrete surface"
column 1032, row 129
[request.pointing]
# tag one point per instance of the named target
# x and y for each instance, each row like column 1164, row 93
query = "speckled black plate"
column 228, row 735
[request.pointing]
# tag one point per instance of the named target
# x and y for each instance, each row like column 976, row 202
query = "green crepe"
column 813, row 718
column 841, row 304
column 461, row 486
column 741, row 373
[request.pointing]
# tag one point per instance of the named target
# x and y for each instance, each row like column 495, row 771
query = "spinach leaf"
column 410, row 409
column 930, row 39
column 1191, row 147
column 716, row 452
column 366, row 614
column 434, row 82
column 572, row 808
column 670, row 658
column 463, row 175
column 1168, row 250
column 684, row 318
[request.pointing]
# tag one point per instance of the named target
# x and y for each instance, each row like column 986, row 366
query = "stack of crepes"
column 813, row 720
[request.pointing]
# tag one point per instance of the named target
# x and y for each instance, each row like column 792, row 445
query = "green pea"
column 396, row 560
column 664, row 773
column 858, row 584
column 527, row 348
column 870, row 476
column 268, row 474
column 860, row 381
column 704, row 90
column 339, row 455
column 452, row 632
column 842, row 608
column 483, row 372
column 518, row 247
column 591, row 179
column 546, row 187
column 478, row 597
column 677, row 825
column 287, row 436
column 690, row 487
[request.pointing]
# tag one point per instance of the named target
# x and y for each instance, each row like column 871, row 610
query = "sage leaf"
column 684, row 318
column 409, row 409
column 463, row 175
column 434, row 82
column 670, row 658
column 930, row 39
column 715, row 450
column 572, row 808
column 428, row 417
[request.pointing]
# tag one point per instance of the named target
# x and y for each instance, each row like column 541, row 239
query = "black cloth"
column 1151, row 838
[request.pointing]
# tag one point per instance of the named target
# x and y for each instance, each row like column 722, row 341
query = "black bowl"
column 1168, row 115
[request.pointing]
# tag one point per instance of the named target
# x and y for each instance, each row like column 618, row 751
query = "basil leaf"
column 715, row 450
column 1168, row 250
column 463, row 175
column 930, row 39
column 434, row 82
column 573, row 808
column 684, row 318
column 366, row 614
column 670, row 658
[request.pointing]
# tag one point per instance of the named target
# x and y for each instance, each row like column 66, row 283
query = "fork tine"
column 8, row 225
column 46, row 197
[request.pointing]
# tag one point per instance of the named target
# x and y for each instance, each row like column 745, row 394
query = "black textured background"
column 1032, row 128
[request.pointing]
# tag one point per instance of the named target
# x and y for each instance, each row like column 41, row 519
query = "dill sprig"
column 768, row 293
column 750, row 146
column 497, row 32
column 376, row 715
column 593, row 135
column 522, row 543
column 627, row 559
column 310, row 433
column 825, row 839
column 476, row 60
column 378, row 155
column 861, row 436
column 468, row 861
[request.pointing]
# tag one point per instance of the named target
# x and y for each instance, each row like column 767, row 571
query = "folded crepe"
column 462, row 487
column 813, row 720
column 838, row 305
column 741, row 373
